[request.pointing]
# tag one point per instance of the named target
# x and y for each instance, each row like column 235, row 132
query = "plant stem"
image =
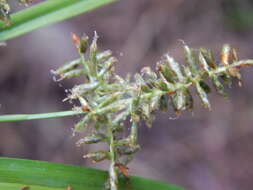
column 113, row 176
column 134, row 133
column 25, row 117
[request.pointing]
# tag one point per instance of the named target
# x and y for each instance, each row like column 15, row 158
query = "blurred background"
column 204, row 150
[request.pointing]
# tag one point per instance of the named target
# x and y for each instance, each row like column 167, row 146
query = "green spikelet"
column 191, row 59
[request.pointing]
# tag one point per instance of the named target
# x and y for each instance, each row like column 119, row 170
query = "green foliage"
column 107, row 100
column 48, row 12
column 17, row 174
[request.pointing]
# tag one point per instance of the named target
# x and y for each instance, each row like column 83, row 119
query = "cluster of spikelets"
column 5, row 9
column 107, row 100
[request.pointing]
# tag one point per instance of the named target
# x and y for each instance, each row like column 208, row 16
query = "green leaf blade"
column 18, row 173
column 19, row 186
column 45, row 13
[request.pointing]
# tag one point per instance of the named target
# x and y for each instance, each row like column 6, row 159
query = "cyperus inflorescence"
column 108, row 100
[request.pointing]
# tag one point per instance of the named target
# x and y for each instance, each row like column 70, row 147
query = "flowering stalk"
column 107, row 100
column 113, row 176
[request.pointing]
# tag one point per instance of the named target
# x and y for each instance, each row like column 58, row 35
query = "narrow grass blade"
column 25, row 117
column 16, row 174
column 48, row 12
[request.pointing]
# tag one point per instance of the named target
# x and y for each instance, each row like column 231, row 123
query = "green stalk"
column 26, row 117
column 112, row 171
column 134, row 133
column 45, row 13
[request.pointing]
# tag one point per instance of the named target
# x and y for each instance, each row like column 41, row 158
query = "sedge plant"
column 108, row 100
column 113, row 107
